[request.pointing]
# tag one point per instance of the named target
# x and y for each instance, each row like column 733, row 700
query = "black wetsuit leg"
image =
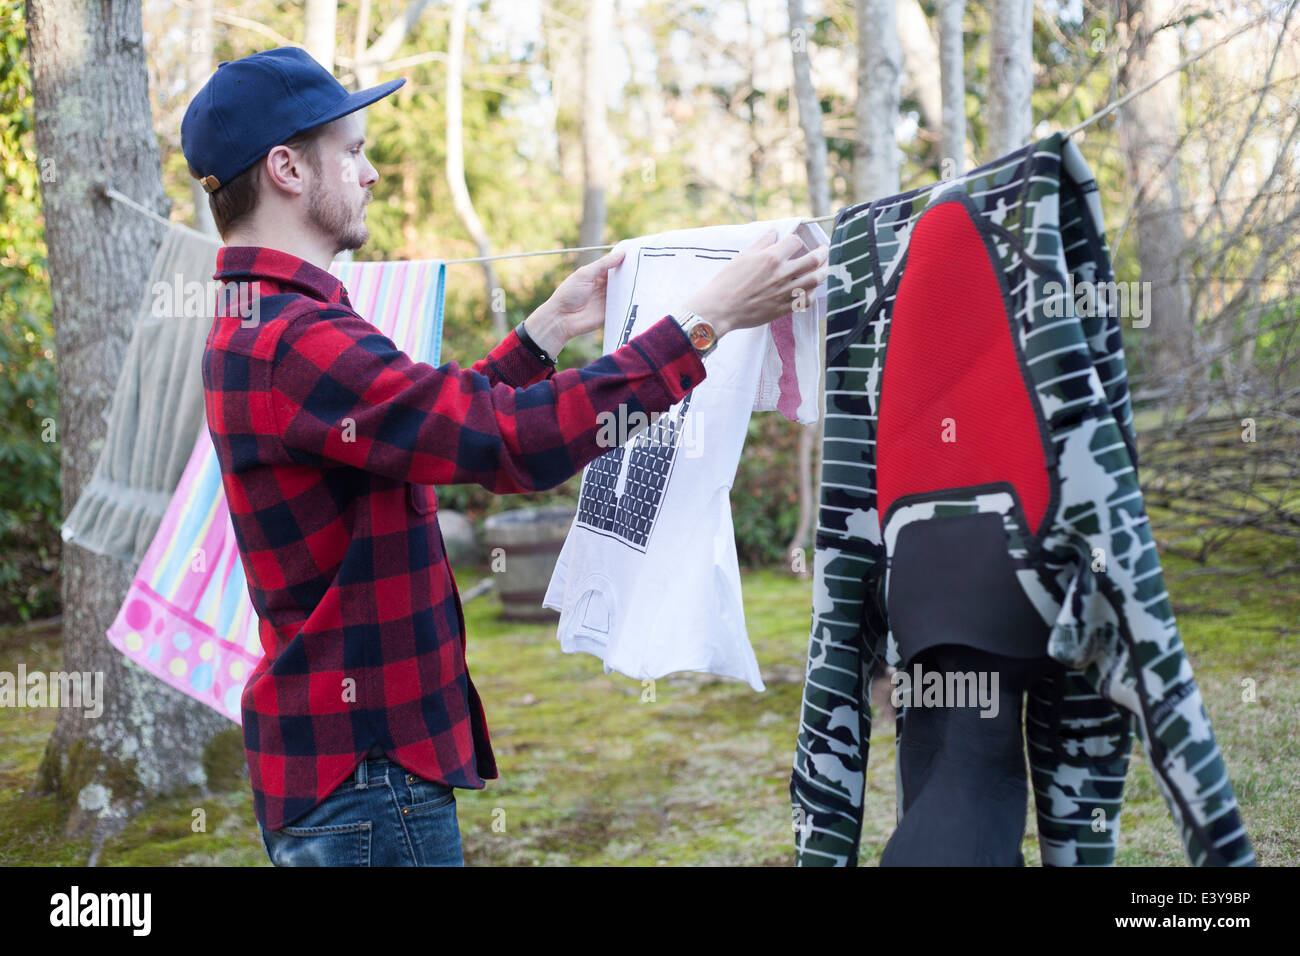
column 964, row 782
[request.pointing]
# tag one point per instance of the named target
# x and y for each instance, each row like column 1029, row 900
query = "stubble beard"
column 345, row 226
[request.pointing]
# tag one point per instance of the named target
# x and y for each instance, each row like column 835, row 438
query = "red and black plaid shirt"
column 329, row 438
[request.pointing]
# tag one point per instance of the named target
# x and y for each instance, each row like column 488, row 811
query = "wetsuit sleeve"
column 845, row 647
column 1115, row 628
column 846, row 639
column 1079, row 742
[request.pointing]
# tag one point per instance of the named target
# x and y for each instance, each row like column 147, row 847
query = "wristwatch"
column 703, row 336
column 527, row 342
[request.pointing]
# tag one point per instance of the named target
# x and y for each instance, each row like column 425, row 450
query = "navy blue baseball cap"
column 250, row 105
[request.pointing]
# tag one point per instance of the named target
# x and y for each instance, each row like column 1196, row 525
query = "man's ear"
column 284, row 170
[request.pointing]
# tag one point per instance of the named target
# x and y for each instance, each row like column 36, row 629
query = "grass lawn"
column 594, row 773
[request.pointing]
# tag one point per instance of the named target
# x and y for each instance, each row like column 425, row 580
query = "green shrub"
column 765, row 497
column 29, row 456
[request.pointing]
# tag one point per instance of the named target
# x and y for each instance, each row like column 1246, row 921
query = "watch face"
column 702, row 335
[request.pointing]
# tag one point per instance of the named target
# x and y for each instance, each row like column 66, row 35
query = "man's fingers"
column 808, row 271
column 817, row 276
column 807, row 263
column 806, row 283
column 787, row 248
column 598, row 267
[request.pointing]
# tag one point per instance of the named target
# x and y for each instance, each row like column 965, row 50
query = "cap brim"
column 358, row 100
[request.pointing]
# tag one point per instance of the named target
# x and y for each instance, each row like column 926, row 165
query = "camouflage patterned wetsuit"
column 1019, row 456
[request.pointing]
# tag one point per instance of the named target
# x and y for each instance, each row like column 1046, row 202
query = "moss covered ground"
column 597, row 770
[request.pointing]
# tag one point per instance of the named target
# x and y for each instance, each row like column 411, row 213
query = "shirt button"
column 686, row 381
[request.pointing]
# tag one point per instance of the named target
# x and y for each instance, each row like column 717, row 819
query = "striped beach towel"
column 187, row 617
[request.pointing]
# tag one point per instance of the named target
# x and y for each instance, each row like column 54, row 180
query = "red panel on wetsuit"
column 951, row 356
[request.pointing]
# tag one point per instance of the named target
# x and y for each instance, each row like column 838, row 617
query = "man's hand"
column 576, row 307
column 768, row 280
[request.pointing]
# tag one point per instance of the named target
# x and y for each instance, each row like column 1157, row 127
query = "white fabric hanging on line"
column 648, row 579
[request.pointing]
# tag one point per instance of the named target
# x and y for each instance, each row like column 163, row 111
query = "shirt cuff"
column 670, row 352
column 516, row 365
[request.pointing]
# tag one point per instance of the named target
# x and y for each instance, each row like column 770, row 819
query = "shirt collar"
column 283, row 271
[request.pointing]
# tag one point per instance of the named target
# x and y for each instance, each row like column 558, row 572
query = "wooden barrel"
column 529, row 540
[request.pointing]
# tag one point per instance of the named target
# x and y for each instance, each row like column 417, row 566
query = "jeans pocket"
column 339, row 844
column 425, row 795
column 434, row 831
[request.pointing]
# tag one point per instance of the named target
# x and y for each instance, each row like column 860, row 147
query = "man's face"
column 336, row 200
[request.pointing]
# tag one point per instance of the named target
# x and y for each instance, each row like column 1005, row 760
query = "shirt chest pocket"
column 421, row 499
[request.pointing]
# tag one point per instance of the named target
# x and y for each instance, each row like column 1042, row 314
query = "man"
column 361, row 718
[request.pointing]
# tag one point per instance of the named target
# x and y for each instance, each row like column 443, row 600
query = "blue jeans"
column 381, row 816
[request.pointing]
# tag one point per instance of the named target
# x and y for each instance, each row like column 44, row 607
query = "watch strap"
column 686, row 320
column 527, row 342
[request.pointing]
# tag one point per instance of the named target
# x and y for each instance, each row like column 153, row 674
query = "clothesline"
column 1106, row 110
column 114, row 194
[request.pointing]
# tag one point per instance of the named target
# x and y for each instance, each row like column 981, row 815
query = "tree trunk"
column 560, row 60
column 880, row 66
column 1011, row 77
column 819, row 197
column 368, row 61
column 93, row 124
column 595, row 135
column 952, row 80
column 810, row 113
column 920, row 54
column 1149, row 137
column 460, row 198
column 319, row 20
column 198, row 67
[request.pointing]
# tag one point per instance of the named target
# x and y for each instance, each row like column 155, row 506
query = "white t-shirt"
column 647, row 579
